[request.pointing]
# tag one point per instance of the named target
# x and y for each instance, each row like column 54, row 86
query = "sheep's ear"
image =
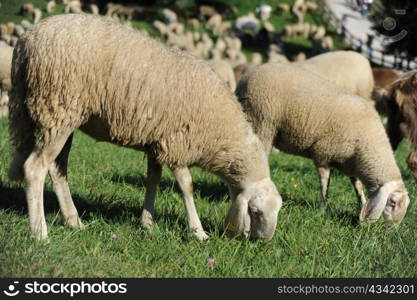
column 373, row 208
column 238, row 219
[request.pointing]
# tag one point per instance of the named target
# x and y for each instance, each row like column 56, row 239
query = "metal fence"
column 377, row 56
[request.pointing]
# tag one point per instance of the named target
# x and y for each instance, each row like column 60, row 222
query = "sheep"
column 225, row 71
column 6, row 53
column 347, row 69
column 320, row 32
column 327, row 43
column 26, row 24
column 248, row 24
column 285, row 8
column 19, row 30
column 301, row 56
column 264, row 11
column 50, row 6
column 256, row 58
column 400, row 99
column 73, row 7
column 27, row 9
column 299, row 9
column 94, row 9
column 194, row 23
column 37, row 15
column 169, row 16
column 192, row 120
column 161, row 27
column 301, row 113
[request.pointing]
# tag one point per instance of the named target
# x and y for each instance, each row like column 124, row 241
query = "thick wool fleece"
column 347, row 69
column 301, row 113
column 89, row 72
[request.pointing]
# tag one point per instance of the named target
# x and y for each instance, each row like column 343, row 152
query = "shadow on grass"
column 13, row 199
column 211, row 191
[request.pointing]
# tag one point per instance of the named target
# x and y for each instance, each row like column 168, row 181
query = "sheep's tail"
column 21, row 126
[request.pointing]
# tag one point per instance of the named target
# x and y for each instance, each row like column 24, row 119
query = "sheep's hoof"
column 200, row 235
column 75, row 223
column 146, row 220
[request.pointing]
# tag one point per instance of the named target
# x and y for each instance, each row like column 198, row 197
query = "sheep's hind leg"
column 35, row 170
column 153, row 178
column 358, row 187
column 184, row 180
column 324, row 174
column 58, row 173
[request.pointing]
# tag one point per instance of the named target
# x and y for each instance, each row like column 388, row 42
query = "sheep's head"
column 254, row 210
column 391, row 200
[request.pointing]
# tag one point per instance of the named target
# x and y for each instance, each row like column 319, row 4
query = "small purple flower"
column 114, row 236
column 210, row 261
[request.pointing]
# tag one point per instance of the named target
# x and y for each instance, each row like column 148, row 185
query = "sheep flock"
column 192, row 97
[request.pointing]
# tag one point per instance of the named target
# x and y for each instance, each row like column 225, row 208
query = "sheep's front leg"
column 324, row 174
column 184, row 180
column 153, row 178
column 357, row 185
column 58, row 173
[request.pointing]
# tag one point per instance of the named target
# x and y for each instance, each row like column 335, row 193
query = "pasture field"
column 107, row 183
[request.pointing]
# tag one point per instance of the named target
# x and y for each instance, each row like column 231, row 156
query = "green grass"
column 107, row 183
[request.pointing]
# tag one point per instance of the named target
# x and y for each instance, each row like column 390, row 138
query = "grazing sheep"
column 285, row 8
column 26, row 24
column 37, row 15
column 300, row 57
column 248, row 24
column 19, row 30
column 225, row 71
column 6, row 53
column 256, row 58
column 194, row 23
column 51, row 6
column 27, row 9
column 193, row 121
column 94, row 9
column 161, row 27
column 401, row 103
column 301, row 113
column 264, row 11
column 169, row 16
column 347, row 69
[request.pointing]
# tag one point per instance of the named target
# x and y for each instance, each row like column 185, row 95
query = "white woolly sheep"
column 94, row 9
column 37, row 15
column 193, row 119
column 6, row 53
column 169, row 16
column 50, row 6
column 304, row 114
column 347, row 69
column 264, row 11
